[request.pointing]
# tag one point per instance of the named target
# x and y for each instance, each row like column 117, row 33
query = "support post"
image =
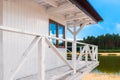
column 74, row 56
column 74, row 51
column 41, row 59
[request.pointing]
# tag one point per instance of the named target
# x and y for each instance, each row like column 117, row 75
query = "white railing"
column 86, row 50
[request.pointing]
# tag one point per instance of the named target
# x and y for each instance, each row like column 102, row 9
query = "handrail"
column 18, row 31
column 86, row 44
column 36, row 34
column 59, row 39
column 70, row 41
column 46, row 39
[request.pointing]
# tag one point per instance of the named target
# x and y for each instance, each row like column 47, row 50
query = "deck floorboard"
column 82, row 68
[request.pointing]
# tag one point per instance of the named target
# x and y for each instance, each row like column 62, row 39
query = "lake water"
column 108, row 65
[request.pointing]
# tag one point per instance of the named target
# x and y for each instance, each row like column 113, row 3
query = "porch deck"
column 65, row 73
column 73, row 69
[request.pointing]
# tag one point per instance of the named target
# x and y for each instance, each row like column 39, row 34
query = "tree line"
column 107, row 41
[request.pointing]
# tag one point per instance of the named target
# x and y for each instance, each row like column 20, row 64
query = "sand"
column 94, row 76
column 106, row 54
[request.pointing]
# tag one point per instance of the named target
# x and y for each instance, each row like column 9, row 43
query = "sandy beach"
column 106, row 54
column 93, row 76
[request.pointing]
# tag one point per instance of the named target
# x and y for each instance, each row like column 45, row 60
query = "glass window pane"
column 53, row 32
column 60, row 35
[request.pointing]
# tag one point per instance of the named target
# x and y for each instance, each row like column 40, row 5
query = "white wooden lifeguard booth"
column 33, row 44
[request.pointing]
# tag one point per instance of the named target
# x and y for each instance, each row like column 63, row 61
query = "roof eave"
column 85, row 6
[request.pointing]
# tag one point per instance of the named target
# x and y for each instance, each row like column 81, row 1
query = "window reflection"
column 53, row 32
column 57, row 30
column 61, row 35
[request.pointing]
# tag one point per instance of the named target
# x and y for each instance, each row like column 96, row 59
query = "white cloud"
column 118, row 26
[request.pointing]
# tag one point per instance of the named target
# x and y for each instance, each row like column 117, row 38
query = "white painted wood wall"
column 1, row 40
column 28, row 16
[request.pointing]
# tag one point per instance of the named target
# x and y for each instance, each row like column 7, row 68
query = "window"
column 57, row 30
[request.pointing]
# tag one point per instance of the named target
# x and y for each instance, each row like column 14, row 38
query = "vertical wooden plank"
column 1, row 56
column 1, row 12
column 24, row 57
column 74, row 33
column 74, row 51
column 96, row 53
column 74, row 56
column 1, row 42
column 93, row 53
column 41, row 59
column 86, row 54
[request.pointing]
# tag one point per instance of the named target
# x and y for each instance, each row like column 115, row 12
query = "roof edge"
column 86, row 7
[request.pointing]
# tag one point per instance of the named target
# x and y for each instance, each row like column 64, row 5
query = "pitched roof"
column 86, row 7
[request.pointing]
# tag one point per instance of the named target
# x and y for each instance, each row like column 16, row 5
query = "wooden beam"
column 74, row 57
column 58, row 53
column 50, row 2
column 61, row 8
column 76, row 17
column 80, row 28
column 41, row 59
column 96, row 52
column 70, row 30
column 77, row 23
column 14, row 30
column 61, row 75
column 24, row 57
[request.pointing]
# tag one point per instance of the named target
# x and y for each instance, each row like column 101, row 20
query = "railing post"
column 80, row 55
column 80, row 49
column 93, row 53
column 96, row 53
column 74, row 56
column 41, row 59
column 86, row 54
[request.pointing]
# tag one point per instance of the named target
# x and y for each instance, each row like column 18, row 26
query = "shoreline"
column 99, row 76
column 107, row 54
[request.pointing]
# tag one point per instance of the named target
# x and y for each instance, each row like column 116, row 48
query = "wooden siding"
column 31, row 17
column 1, row 12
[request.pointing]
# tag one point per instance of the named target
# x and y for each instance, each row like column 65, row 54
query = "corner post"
column 74, row 51
column 41, row 59
column 74, row 56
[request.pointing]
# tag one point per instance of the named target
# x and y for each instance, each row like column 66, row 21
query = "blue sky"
column 110, row 12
